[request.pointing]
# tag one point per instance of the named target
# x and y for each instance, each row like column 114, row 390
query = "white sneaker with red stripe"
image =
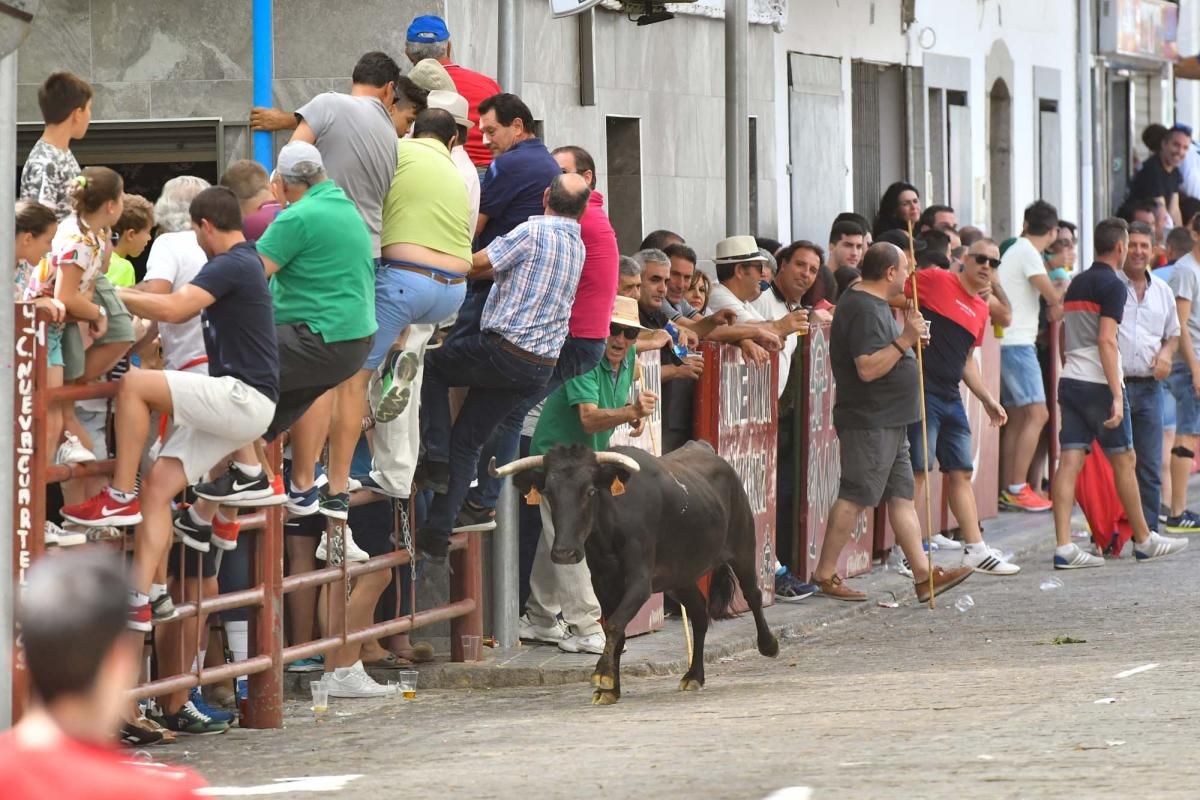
column 140, row 616
column 103, row 510
column 225, row 534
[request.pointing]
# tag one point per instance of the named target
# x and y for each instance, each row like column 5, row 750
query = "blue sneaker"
column 314, row 664
column 241, row 691
column 197, row 700
column 789, row 587
column 304, row 504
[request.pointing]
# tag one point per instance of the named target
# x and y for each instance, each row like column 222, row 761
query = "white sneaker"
column 72, row 451
column 592, row 643
column 353, row 551
column 56, row 536
column 1158, row 546
column 1076, row 558
column 353, row 682
column 943, row 542
column 982, row 558
column 353, row 485
column 899, row 563
column 529, row 632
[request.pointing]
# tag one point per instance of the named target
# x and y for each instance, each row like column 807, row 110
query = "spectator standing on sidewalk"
column 1025, row 281
column 1093, row 403
column 878, row 398
column 81, row 664
column 1184, row 384
column 847, row 243
column 522, row 331
column 1147, row 337
column 428, row 37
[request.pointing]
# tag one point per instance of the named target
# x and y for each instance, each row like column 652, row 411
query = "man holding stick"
column 878, row 383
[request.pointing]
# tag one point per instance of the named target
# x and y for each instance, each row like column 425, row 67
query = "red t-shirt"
column 957, row 321
column 255, row 223
column 68, row 768
column 592, row 311
column 475, row 87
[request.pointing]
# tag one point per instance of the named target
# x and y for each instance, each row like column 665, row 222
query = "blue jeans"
column 1187, row 409
column 577, row 357
column 404, row 298
column 499, row 381
column 949, row 435
column 1146, row 416
column 471, row 311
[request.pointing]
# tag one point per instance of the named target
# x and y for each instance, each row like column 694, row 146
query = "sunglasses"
column 980, row 259
column 620, row 330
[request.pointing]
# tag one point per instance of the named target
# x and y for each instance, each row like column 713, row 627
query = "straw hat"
column 625, row 313
column 738, row 250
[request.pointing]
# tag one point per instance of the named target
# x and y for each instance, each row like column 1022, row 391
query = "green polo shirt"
column 120, row 272
column 560, row 424
column 326, row 261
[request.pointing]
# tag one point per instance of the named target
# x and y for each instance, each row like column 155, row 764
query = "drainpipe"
column 264, row 73
column 510, row 18
column 737, row 118
column 1088, row 131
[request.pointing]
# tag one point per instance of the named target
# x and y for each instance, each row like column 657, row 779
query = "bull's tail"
column 720, row 593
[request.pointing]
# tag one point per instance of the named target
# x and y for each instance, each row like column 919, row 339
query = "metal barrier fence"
column 264, row 597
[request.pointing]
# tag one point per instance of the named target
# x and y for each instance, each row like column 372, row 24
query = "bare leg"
column 1031, row 419
column 167, row 640
column 1125, row 476
column 301, row 606
column 1070, row 464
column 843, row 518
column 142, row 391
column 903, row 516
column 308, row 438
column 961, row 498
column 1181, row 470
column 101, row 358
column 350, row 404
column 363, row 597
column 1166, row 471
column 152, row 538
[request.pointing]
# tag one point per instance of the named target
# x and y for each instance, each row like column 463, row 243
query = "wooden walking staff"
column 912, row 263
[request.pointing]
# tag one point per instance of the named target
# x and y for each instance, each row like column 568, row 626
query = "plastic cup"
column 965, row 603
column 471, row 645
column 408, row 683
column 320, row 698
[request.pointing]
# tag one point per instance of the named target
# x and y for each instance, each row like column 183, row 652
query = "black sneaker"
column 472, row 518
column 335, row 506
column 193, row 534
column 433, row 475
column 189, row 719
column 235, row 485
column 431, row 545
column 139, row 733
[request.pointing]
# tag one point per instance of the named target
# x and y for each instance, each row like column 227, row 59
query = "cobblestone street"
column 890, row 703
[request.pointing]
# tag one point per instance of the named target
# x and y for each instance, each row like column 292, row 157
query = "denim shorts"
column 1168, row 410
column 1187, row 409
column 949, row 435
column 404, row 298
column 1020, row 376
column 1084, row 407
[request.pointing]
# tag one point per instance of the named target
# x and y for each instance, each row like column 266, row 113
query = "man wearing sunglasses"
column 954, row 304
column 585, row 410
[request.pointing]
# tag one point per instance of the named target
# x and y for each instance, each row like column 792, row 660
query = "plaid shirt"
column 537, row 267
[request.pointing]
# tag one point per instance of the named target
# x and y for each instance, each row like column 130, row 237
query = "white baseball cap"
column 299, row 160
column 453, row 102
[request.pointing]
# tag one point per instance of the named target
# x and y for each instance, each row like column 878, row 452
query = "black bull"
column 650, row 525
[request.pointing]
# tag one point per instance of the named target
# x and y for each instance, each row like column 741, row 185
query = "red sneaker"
column 225, row 534
column 1025, row 500
column 140, row 617
column 104, row 510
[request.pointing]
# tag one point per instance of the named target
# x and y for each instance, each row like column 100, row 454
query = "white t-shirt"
column 720, row 298
column 1021, row 262
column 176, row 258
column 470, row 176
column 771, row 308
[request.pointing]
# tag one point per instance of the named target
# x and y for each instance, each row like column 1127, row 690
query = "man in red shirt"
column 81, row 663
column 428, row 37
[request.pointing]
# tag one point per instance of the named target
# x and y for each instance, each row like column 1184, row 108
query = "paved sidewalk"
column 664, row 652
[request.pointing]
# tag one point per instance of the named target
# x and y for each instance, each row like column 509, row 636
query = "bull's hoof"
column 600, row 681
column 769, row 647
column 687, row 684
column 596, row 677
column 605, row 698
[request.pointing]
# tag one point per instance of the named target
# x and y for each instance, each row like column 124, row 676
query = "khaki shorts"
column 120, row 321
column 213, row 417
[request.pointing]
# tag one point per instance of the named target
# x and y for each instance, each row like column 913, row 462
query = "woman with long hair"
column 900, row 205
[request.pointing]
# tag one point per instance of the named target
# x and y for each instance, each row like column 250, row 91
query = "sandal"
column 390, row 661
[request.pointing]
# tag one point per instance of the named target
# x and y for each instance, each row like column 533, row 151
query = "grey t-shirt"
column 1185, row 284
column 864, row 324
column 357, row 141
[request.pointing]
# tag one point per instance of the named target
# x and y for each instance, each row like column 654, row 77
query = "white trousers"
column 565, row 588
column 396, row 445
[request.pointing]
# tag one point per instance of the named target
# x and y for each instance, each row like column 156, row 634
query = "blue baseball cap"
column 428, row 28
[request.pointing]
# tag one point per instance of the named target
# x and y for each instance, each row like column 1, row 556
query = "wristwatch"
column 103, row 312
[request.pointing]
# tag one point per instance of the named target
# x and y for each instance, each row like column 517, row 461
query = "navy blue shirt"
column 512, row 188
column 239, row 328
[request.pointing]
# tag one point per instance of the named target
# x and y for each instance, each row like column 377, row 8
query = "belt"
column 524, row 355
column 1140, row 379
column 436, row 275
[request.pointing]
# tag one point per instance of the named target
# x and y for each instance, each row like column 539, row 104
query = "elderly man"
column 1093, row 402
column 522, row 331
column 1147, row 337
column 740, row 270
column 629, row 278
column 954, row 304
column 420, row 280
column 584, row 411
column 429, row 38
column 877, row 399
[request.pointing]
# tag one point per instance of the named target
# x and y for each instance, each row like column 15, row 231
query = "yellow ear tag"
column 534, row 498
column 617, row 489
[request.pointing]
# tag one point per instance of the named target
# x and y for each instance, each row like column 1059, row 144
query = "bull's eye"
column 591, row 492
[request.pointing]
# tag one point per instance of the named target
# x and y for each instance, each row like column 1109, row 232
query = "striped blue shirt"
column 537, row 267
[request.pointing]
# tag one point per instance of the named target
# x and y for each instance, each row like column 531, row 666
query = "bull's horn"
column 616, row 458
column 512, row 467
